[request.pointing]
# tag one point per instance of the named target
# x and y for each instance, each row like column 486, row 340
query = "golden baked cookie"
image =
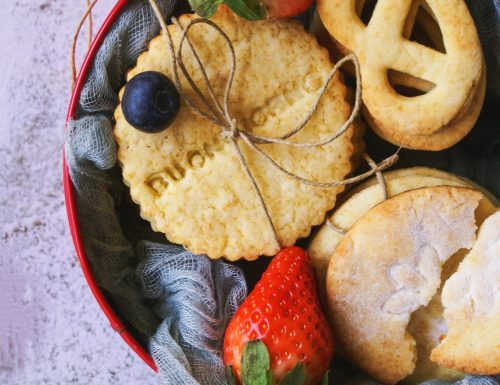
column 446, row 136
column 471, row 298
column 388, row 266
column 450, row 78
column 188, row 180
column 360, row 199
column 427, row 324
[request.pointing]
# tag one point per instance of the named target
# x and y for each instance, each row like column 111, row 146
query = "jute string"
column 90, row 32
column 86, row 15
column 218, row 113
column 381, row 182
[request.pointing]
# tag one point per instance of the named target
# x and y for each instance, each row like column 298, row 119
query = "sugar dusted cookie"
column 188, row 181
column 427, row 324
column 446, row 72
column 388, row 266
column 362, row 198
column 471, row 298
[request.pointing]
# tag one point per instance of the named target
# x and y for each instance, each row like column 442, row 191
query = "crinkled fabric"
column 178, row 302
column 196, row 297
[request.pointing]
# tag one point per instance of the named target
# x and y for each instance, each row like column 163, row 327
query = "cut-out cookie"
column 447, row 71
column 189, row 182
column 471, row 298
column 387, row 266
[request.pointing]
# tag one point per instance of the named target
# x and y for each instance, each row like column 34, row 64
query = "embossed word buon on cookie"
column 248, row 198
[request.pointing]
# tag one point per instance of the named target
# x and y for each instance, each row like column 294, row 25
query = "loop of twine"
column 87, row 15
column 219, row 113
column 334, row 227
column 380, row 177
column 90, row 30
column 381, row 182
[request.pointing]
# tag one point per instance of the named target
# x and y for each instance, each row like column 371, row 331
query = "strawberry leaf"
column 255, row 365
column 205, row 8
column 230, row 375
column 325, row 379
column 295, row 376
column 247, row 9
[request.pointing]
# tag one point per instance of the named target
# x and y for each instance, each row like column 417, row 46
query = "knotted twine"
column 220, row 115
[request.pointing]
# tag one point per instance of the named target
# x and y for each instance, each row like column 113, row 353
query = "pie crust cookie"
column 452, row 81
column 188, row 180
column 471, row 298
column 388, row 266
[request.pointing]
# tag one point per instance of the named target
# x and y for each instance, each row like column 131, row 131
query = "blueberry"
column 150, row 102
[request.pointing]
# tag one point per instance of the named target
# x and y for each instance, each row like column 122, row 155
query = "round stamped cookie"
column 388, row 266
column 188, row 180
column 365, row 196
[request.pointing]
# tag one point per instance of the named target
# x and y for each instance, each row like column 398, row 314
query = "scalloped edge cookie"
column 191, row 186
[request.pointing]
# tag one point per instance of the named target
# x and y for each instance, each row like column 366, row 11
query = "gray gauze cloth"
column 194, row 297
column 181, row 303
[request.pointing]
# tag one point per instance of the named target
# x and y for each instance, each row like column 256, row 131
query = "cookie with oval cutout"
column 422, row 66
column 389, row 265
column 188, row 180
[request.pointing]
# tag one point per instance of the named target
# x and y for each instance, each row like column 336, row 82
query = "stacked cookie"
column 421, row 64
column 188, row 179
column 360, row 199
column 382, row 265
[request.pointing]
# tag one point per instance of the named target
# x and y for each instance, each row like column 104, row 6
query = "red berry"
column 284, row 312
column 285, row 8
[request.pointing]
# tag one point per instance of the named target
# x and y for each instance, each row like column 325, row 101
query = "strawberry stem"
column 205, row 8
column 295, row 376
column 247, row 9
column 256, row 368
column 255, row 364
column 230, row 375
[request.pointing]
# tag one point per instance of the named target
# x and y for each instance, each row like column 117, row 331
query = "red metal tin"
column 69, row 196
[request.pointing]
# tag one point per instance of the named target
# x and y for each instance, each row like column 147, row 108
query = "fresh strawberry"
column 253, row 9
column 285, row 8
column 283, row 311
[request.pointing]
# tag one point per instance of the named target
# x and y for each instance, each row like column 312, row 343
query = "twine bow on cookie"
column 220, row 115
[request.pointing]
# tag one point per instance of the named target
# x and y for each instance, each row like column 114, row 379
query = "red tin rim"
column 69, row 197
